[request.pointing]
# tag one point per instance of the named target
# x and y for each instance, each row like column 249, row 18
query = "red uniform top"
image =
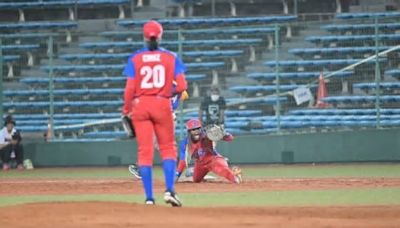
column 201, row 151
column 151, row 73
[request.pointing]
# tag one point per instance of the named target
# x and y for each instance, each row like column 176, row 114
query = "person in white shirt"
column 10, row 144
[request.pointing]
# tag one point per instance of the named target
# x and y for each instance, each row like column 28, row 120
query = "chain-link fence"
column 67, row 83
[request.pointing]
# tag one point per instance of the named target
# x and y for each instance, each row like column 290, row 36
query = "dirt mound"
column 110, row 214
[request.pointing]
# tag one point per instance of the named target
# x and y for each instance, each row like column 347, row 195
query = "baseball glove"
column 128, row 126
column 214, row 132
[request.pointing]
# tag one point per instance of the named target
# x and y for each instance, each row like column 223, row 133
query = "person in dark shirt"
column 214, row 107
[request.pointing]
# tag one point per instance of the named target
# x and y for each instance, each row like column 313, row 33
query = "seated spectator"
column 10, row 145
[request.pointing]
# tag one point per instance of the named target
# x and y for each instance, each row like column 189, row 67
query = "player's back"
column 154, row 72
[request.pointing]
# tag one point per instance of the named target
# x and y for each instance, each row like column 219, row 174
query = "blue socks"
column 169, row 167
column 147, row 179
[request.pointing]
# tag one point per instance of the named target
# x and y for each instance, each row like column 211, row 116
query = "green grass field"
column 354, row 196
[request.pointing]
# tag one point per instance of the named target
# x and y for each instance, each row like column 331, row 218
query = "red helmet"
column 193, row 124
column 152, row 29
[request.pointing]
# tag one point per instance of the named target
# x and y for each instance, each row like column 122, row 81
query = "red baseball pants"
column 215, row 164
column 153, row 114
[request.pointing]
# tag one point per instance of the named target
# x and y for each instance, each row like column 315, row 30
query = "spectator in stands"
column 10, row 144
column 214, row 106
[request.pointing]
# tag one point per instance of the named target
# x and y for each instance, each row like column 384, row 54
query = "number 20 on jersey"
column 153, row 77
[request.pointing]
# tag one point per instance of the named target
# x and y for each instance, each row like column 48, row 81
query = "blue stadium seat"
column 120, row 67
column 211, row 31
column 343, row 112
column 10, row 58
column 137, row 44
column 351, row 99
column 87, row 68
column 56, row 122
column 72, row 80
column 62, row 104
column 369, row 121
column 106, row 134
column 393, row 72
column 268, row 100
column 100, row 79
column 351, row 27
column 293, row 75
column 109, row 56
column 84, row 116
column 56, row 3
column 35, row 128
column 27, row 35
column 17, row 47
column 106, row 56
column 219, row 53
column 383, row 85
column 38, row 25
column 195, row 77
column 317, row 62
column 385, row 37
column 98, row 116
column 211, row 21
column 63, row 92
column 264, row 88
column 84, row 139
column 229, row 113
column 366, row 15
column 337, row 50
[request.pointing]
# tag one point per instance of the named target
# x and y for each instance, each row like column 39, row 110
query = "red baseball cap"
column 152, row 29
column 193, row 124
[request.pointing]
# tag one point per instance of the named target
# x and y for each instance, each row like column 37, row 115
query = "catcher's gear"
column 128, row 126
column 215, row 132
column 193, row 124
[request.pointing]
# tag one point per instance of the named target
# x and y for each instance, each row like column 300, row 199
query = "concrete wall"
column 351, row 146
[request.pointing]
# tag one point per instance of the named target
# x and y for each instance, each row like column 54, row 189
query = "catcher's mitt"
column 128, row 126
column 214, row 132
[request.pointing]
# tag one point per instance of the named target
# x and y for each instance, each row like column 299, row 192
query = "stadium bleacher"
column 67, row 4
column 213, row 21
column 217, row 50
column 260, row 76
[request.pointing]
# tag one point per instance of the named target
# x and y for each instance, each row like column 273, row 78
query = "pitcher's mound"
column 113, row 214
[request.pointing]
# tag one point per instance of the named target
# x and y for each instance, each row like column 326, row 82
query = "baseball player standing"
column 149, row 86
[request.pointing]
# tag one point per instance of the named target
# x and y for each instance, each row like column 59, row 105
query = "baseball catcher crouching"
column 201, row 148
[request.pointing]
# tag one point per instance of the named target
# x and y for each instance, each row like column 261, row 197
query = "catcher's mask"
column 193, row 127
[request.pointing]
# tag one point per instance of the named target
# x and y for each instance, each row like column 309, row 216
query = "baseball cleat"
column 172, row 198
column 209, row 178
column 238, row 174
column 134, row 170
column 149, row 202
